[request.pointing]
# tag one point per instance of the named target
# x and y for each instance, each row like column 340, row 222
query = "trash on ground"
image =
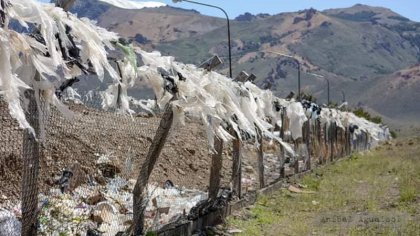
column 109, row 209
column 294, row 189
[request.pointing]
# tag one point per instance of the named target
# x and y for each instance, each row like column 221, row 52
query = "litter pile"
column 9, row 224
column 109, row 209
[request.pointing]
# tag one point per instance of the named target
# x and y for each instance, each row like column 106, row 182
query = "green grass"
column 408, row 191
column 375, row 193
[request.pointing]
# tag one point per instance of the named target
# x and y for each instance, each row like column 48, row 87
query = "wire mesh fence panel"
column 185, row 158
column 11, row 143
column 11, row 169
column 85, row 164
column 89, row 167
column 99, row 155
column 315, row 135
column 272, row 161
column 31, row 155
column 248, row 168
column 185, row 162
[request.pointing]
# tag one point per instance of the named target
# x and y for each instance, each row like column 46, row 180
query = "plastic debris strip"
column 71, row 94
column 220, row 102
column 297, row 119
column 224, row 104
column 108, row 209
column 312, row 110
column 377, row 132
column 116, row 95
column 82, row 47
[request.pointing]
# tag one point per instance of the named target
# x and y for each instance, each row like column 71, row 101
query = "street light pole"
column 344, row 95
column 328, row 85
column 228, row 26
column 298, row 64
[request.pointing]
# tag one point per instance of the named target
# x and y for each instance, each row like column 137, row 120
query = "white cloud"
column 129, row 4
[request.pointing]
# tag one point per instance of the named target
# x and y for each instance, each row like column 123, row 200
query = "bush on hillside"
column 364, row 114
column 393, row 134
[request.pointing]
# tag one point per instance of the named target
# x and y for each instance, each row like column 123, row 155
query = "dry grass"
column 374, row 193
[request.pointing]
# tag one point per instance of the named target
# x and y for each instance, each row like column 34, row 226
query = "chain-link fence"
column 78, row 177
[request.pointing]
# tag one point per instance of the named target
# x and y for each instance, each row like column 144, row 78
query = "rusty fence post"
column 282, row 155
column 348, row 141
column 139, row 192
column 326, row 144
column 308, row 144
column 331, row 142
column 260, row 158
column 237, row 168
column 216, row 168
column 320, row 142
column 366, row 141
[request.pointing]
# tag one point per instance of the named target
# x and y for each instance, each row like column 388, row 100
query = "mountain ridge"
column 358, row 48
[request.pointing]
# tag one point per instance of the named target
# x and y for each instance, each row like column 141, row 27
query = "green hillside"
column 359, row 49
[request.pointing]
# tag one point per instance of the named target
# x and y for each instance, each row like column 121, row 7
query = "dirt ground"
column 77, row 145
column 372, row 193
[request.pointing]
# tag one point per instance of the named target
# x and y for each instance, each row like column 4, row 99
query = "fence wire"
column 56, row 183
column 11, row 143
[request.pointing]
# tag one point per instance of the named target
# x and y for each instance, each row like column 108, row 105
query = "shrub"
column 364, row 114
column 307, row 96
column 393, row 134
column 376, row 119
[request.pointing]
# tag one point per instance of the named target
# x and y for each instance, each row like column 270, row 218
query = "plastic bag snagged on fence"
column 293, row 189
column 210, row 205
column 22, row 56
column 220, row 102
column 297, row 119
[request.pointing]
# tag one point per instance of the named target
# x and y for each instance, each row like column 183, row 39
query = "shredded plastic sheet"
column 23, row 56
column 116, row 96
column 222, row 104
column 377, row 132
column 228, row 109
column 297, row 118
column 71, row 94
column 10, row 84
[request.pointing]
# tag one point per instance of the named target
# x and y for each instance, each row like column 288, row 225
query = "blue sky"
column 407, row 8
